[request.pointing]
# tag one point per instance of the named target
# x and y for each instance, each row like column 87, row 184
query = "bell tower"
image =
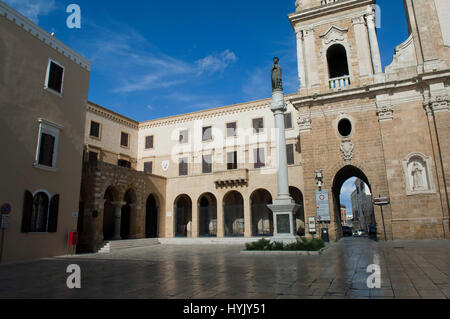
column 337, row 45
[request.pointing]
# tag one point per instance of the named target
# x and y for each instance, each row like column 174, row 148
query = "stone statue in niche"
column 417, row 174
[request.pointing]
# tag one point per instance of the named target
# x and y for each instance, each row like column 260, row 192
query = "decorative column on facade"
column 363, row 47
column 301, row 60
column 283, row 207
column 117, row 218
column 311, row 58
column 220, row 219
column 373, row 41
column 195, row 221
column 247, row 218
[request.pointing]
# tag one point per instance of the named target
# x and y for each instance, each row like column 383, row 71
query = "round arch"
column 262, row 216
column 130, row 199
column 151, row 216
column 297, row 196
column 233, row 209
column 207, row 215
column 337, row 61
column 111, row 195
column 183, row 216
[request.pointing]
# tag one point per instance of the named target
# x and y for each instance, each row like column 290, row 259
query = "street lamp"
column 319, row 178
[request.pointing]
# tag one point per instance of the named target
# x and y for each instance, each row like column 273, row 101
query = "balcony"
column 231, row 178
column 340, row 83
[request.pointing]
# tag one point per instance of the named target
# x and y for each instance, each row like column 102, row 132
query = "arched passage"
column 341, row 177
column 125, row 221
column 183, row 216
column 233, row 209
column 111, row 195
column 297, row 196
column 262, row 216
column 207, row 215
column 151, row 217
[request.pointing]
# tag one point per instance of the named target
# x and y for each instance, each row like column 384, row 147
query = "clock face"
column 165, row 165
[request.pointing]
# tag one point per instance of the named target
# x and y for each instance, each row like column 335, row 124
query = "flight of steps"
column 113, row 246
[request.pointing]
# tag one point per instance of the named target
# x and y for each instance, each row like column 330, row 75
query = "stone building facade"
column 213, row 171
column 43, row 92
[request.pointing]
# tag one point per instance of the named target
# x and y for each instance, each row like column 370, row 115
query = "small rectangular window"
column 184, row 137
column 290, row 154
column 231, row 129
column 124, row 139
column 258, row 125
column 288, row 121
column 124, row 163
column 259, row 158
column 55, row 77
column 183, row 167
column 149, row 142
column 46, row 149
column 95, row 129
column 207, row 164
column 207, row 133
column 148, row 167
column 93, row 156
column 232, row 160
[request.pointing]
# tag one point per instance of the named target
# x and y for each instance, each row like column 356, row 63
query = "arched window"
column 40, row 214
column 337, row 61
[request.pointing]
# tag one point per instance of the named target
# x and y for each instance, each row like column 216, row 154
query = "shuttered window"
column 258, row 125
column 47, row 145
column 55, row 77
column 53, row 215
column 290, row 154
column 259, row 158
column 149, row 142
column 183, row 166
column 207, row 164
column 124, row 138
column 207, row 133
column 95, row 129
column 27, row 212
column 148, row 167
column 232, row 160
column 288, row 120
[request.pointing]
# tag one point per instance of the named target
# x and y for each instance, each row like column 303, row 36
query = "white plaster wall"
column 443, row 10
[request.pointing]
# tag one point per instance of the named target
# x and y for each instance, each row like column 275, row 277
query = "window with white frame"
column 47, row 148
column 54, row 80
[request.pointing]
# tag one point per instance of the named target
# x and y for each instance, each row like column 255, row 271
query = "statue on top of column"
column 277, row 83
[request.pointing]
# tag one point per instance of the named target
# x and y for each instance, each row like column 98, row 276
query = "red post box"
column 73, row 238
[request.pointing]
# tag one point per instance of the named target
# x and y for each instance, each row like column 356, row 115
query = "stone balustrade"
column 340, row 83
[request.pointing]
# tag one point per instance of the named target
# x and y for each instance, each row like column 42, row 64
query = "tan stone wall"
column 23, row 65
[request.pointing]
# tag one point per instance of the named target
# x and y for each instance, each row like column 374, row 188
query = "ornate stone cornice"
column 110, row 115
column 385, row 112
column 36, row 31
column 440, row 103
column 304, row 121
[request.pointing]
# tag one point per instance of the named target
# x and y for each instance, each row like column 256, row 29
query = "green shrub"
column 302, row 244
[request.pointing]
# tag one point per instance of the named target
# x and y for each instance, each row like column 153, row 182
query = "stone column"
column 373, row 41
column 311, row 58
column 247, row 218
column 301, row 60
column 220, row 219
column 283, row 207
column 195, row 221
column 118, row 217
column 363, row 46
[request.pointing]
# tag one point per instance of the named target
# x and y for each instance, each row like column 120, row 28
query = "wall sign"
column 312, row 225
column 323, row 206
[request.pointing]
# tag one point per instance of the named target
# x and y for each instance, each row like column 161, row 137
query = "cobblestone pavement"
column 417, row 269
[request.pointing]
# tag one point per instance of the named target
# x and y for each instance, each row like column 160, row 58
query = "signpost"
column 323, row 206
column 382, row 201
column 312, row 225
column 5, row 211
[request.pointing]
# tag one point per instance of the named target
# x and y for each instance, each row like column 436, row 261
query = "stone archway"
column 151, row 217
column 233, row 209
column 109, row 212
column 262, row 216
column 340, row 178
column 207, row 215
column 297, row 196
column 127, row 212
column 183, row 216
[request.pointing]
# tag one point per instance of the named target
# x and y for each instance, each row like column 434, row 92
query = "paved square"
column 417, row 269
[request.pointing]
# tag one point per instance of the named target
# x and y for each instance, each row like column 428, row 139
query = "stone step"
column 126, row 244
column 207, row 241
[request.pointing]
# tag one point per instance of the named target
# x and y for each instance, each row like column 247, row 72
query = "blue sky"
column 153, row 59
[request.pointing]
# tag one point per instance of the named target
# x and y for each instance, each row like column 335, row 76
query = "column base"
column 288, row 239
column 117, row 238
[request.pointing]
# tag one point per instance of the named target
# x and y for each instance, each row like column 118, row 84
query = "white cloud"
column 32, row 9
column 216, row 62
column 149, row 107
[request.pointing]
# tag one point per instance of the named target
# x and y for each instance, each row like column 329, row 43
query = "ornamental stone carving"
column 385, row 112
column 440, row 103
column 347, row 148
column 304, row 121
column 417, row 172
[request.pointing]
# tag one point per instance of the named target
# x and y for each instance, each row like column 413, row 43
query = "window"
column 231, row 129
column 232, row 160
column 55, row 77
column 149, row 142
column 93, row 156
column 337, row 61
column 290, row 154
column 124, row 163
column 207, row 133
column 148, row 167
column 40, row 214
column 183, row 167
column 47, row 144
column 288, row 120
column 258, row 125
column 124, row 139
column 345, row 127
column 95, row 129
column 207, row 164
column 184, row 137
column 259, row 159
